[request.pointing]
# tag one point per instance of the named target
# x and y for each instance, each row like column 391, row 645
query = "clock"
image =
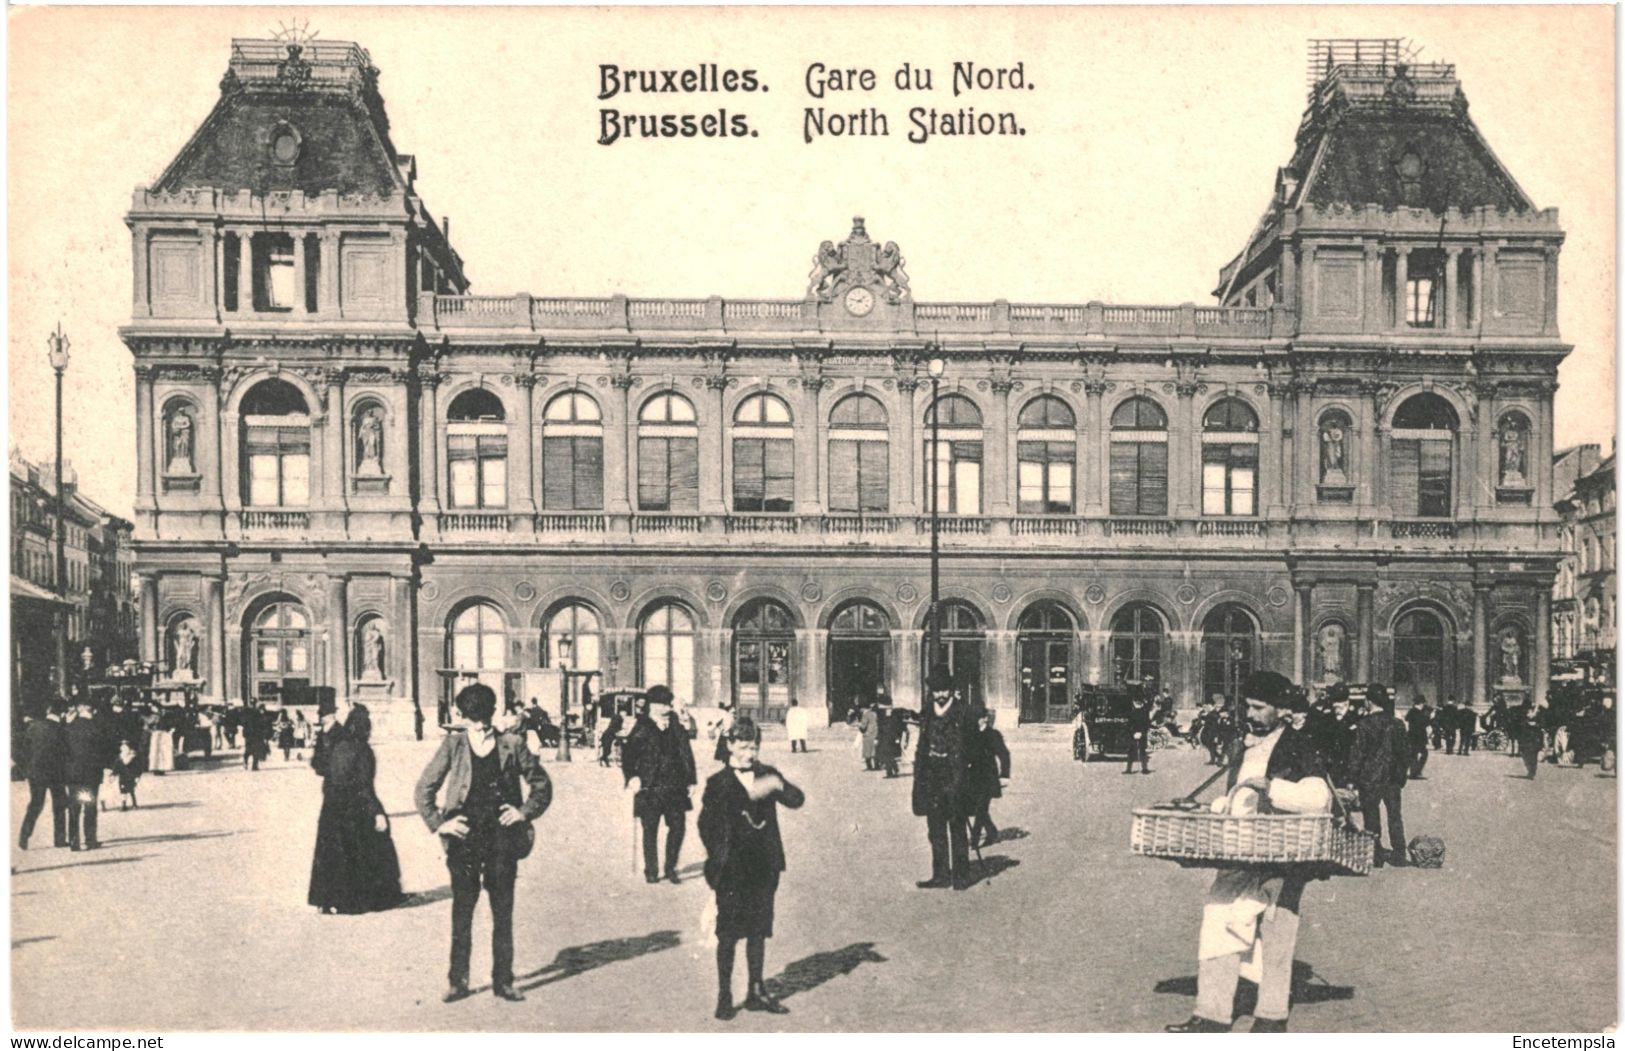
column 859, row 302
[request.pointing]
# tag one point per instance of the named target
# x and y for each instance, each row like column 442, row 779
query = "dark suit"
column 1468, row 722
column 989, row 762
column 1378, row 765
column 663, row 763
column 46, row 752
column 1139, row 725
column 1417, row 723
column 88, row 757
column 941, row 769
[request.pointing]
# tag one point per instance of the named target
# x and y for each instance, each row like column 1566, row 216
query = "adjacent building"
column 355, row 473
column 1583, row 622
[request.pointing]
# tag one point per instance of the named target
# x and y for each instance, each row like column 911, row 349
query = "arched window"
column 1336, row 439
column 1512, row 459
column 477, row 450
column 276, row 445
column 1046, row 453
column 571, row 638
column 1139, row 458
column 1045, row 639
column 859, row 451
column 764, row 455
column 1424, row 442
column 1229, row 652
column 279, row 652
column 666, row 638
column 1230, row 459
column 962, row 640
column 479, row 639
column 668, row 455
column 764, row 652
column 958, row 455
column 1419, row 658
column 572, row 454
column 1137, row 645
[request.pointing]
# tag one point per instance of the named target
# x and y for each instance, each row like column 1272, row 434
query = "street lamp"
column 935, row 368
column 566, row 680
column 58, row 343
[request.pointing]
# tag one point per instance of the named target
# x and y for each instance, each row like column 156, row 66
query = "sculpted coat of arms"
column 858, row 262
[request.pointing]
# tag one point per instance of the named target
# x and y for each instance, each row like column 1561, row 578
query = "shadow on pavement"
column 581, row 958
column 1307, row 988
column 423, row 897
column 810, row 972
column 184, row 804
column 173, row 837
column 1008, row 834
column 81, row 864
column 20, row 942
column 987, row 867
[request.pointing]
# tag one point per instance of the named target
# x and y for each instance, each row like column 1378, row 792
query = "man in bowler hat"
column 941, row 769
column 659, row 756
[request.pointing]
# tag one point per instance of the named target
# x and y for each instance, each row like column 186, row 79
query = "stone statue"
column 1511, row 653
column 1512, row 456
column 1332, row 453
column 180, row 442
column 186, row 633
column 1331, row 652
column 372, row 651
column 370, row 442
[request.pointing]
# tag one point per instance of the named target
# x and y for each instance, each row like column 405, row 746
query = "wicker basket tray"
column 1223, row 840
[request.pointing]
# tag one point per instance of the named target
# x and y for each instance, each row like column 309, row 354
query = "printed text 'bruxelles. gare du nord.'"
column 823, row 83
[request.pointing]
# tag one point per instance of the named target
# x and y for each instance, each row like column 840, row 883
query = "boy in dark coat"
column 989, row 765
column 659, row 755
column 941, row 769
column 739, row 825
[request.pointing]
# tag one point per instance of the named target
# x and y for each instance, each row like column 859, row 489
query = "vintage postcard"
column 759, row 520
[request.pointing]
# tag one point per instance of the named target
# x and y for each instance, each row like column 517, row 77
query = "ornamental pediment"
column 858, row 270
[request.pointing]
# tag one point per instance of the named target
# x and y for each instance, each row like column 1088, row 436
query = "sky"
column 1151, row 145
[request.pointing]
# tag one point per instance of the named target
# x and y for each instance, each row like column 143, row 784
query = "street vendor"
column 1250, row 919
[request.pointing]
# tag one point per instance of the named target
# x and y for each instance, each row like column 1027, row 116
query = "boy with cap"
column 659, row 756
column 739, row 825
column 1253, row 912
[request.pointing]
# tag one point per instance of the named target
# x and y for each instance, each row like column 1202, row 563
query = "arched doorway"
column 764, row 660
column 1044, row 642
column 1229, row 652
column 963, row 639
column 859, row 641
column 1138, row 635
column 1420, row 671
column 279, row 654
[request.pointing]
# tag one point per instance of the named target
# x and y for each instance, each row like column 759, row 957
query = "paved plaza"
column 192, row 916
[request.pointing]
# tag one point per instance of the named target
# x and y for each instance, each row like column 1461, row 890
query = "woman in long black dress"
column 739, row 824
column 355, row 868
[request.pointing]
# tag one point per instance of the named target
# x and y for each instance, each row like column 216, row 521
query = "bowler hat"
column 1271, row 687
column 658, row 695
column 939, row 678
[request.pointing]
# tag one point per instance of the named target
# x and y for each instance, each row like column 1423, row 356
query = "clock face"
column 860, row 301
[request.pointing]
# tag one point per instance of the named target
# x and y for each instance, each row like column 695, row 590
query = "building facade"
column 1583, row 607
column 354, row 473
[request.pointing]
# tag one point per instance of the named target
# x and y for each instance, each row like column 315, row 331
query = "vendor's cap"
column 939, row 678
column 744, row 729
column 659, row 695
column 1271, row 687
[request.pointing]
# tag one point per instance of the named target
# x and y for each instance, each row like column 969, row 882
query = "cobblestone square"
column 192, row 916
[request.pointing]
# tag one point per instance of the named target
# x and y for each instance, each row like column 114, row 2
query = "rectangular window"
column 231, row 273
column 477, row 469
column 1420, row 291
column 959, row 476
column 572, row 474
column 1229, row 479
column 313, row 272
column 1139, row 478
column 764, row 474
column 273, row 272
column 1433, row 480
column 668, row 475
column 278, row 467
column 1044, row 477
column 859, row 476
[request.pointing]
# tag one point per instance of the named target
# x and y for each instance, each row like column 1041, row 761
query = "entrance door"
column 764, row 646
column 962, row 638
column 1046, row 680
column 857, row 669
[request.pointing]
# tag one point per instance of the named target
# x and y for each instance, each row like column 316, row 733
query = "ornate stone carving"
column 620, row 591
column 1097, row 387
column 811, row 592
column 858, row 262
column 715, row 591
column 907, row 593
column 525, row 380
column 524, row 590
column 1001, row 593
column 1185, row 594
column 1095, row 594
column 1278, row 596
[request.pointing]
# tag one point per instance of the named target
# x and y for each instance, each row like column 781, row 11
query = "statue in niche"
column 180, row 443
column 1331, row 652
column 1512, row 456
column 1333, row 452
column 372, row 651
column 185, row 662
column 1511, row 656
column 369, row 440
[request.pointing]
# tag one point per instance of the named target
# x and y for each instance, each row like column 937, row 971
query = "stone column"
column 335, row 442
column 1300, row 630
column 145, row 430
column 1374, row 305
column 620, row 492
column 1549, row 328
column 429, row 445
column 715, row 457
column 1452, row 258
column 1001, row 673
column 1274, row 456
column 1481, row 646
column 1364, row 630
column 216, row 587
column 996, row 441
column 1488, row 300
column 327, row 295
column 1096, row 475
column 299, row 301
column 245, row 271
column 209, row 457
column 1402, row 258
column 1310, row 305
column 149, row 616
column 814, row 694
column 809, row 436
column 905, row 684
column 1184, row 453
column 906, row 449
column 1543, row 641
column 338, row 636
column 521, row 448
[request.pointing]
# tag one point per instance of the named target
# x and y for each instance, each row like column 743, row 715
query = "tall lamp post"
column 935, row 368
column 566, row 681
column 58, row 343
